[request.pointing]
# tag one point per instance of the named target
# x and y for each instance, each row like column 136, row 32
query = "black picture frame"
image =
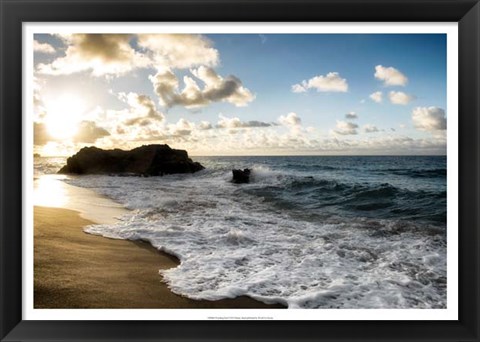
column 15, row 12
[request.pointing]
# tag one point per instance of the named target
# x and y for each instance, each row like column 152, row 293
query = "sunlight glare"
column 49, row 191
column 64, row 115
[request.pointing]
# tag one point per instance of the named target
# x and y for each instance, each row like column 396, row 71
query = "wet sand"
column 73, row 269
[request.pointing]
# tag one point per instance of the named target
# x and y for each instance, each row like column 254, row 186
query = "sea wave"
column 294, row 237
column 422, row 173
column 382, row 200
column 47, row 165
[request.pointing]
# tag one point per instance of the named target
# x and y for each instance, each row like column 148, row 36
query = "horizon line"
column 292, row 155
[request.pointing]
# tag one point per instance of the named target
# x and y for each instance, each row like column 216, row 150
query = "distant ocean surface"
column 307, row 232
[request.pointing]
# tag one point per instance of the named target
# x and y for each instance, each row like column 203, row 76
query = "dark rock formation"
column 147, row 160
column 241, row 176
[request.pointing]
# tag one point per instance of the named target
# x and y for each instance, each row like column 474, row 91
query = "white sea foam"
column 231, row 243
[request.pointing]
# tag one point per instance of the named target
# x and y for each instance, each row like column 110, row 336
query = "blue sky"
column 128, row 90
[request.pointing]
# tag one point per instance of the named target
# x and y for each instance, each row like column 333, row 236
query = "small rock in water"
column 241, row 176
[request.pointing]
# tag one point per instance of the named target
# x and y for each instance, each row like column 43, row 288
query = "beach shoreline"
column 73, row 269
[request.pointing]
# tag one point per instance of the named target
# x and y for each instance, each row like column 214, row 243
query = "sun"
column 63, row 115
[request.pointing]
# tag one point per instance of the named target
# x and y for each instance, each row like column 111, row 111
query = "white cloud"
column 204, row 139
column 290, row 120
column 390, row 76
column 370, row 128
column 179, row 50
column 89, row 132
column 216, row 89
column 400, row 98
column 235, row 122
column 346, row 128
column 142, row 109
column 332, row 82
column 102, row 54
column 133, row 128
column 351, row 116
column 429, row 118
column 114, row 54
column 183, row 127
column 377, row 96
column 298, row 88
column 43, row 47
column 204, row 125
column 165, row 85
column 259, row 142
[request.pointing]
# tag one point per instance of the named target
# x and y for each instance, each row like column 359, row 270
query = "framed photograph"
column 241, row 170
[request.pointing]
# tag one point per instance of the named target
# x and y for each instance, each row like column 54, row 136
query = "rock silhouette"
column 147, row 160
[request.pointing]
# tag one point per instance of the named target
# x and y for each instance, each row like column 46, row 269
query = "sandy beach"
column 73, row 269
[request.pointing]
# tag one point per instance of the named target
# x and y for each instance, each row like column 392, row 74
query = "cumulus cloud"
column 332, row 82
column 216, row 89
column 346, row 128
column 400, row 98
column 183, row 127
column 290, row 120
column 377, row 96
column 184, row 131
column 43, row 47
column 114, row 54
column 89, row 132
column 370, row 128
column 235, row 122
column 205, row 125
column 165, row 85
column 390, row 76
column 101, row 54
column 179, row 50
column 144, row 129
column 256, row 123
column 259, row 142
column 298, row 88
column 189, row 136
column 351, row 116
column 142, row 109
column 429, row 118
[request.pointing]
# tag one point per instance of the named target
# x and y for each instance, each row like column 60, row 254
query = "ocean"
column 307, row 232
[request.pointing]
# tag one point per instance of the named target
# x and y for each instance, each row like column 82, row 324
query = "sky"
column 242, row 94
